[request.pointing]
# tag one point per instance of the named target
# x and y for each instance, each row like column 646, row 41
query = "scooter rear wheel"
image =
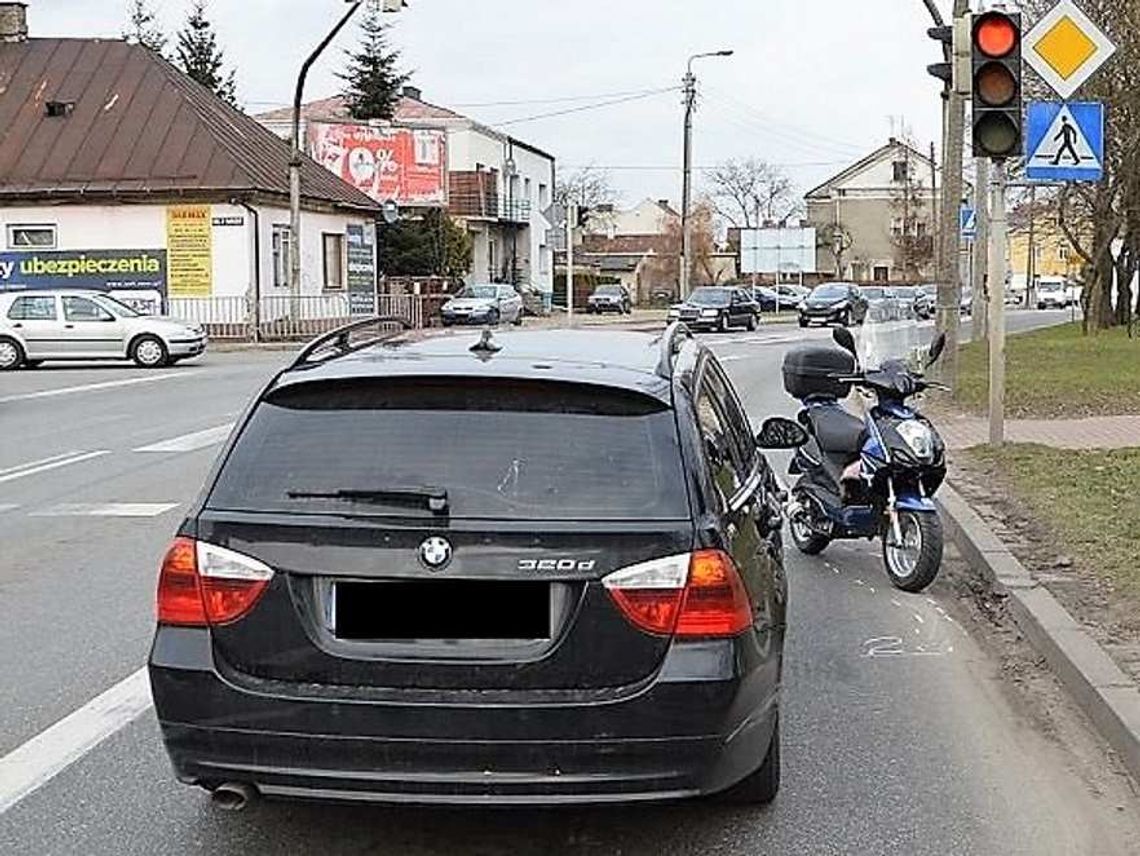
column 913, row 565
column 807, row 540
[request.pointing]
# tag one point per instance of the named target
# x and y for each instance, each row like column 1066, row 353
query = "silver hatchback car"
column 88, row 325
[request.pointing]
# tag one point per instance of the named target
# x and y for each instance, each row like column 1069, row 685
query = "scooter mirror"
column 781, row 433
column 936, row 349
column 845, row 340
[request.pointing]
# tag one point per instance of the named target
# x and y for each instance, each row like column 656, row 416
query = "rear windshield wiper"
column 434, row 499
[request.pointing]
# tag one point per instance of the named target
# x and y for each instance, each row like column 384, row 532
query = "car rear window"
column 502, row 449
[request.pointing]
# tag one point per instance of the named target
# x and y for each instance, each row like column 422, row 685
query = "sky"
column 813, row 86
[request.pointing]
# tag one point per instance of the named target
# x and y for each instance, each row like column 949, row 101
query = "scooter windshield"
column 892, row 331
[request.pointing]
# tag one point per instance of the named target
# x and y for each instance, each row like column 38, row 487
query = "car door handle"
column 18, row 326
column 68, row 326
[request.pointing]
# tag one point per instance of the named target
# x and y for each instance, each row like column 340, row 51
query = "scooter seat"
column 836, row 430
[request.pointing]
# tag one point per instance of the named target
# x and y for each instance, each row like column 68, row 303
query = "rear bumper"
column 701, row 725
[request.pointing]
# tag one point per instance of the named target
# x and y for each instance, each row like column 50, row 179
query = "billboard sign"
column 406, row 165
column 777, row 251
column 101, row 270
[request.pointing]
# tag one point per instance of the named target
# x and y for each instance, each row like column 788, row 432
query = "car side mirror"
column 781, row 433
column 845, row 340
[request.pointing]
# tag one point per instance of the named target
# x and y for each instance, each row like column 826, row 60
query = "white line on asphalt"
column 53, row 463
column 30, row 766
column 191, row 442
column 8, row 506
column 93, row 387
column 107, row 509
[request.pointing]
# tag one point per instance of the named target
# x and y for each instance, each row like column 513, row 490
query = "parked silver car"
column 484, row 304
column 88, row 325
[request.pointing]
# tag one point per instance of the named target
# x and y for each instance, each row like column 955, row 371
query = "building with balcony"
column 498, row 186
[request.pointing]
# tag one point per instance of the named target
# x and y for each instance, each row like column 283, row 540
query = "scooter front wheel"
column 913, row 563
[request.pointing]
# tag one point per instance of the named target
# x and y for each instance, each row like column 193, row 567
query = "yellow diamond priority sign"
column 1066, row 48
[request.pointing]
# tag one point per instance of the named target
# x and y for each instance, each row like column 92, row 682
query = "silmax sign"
column 101, row 270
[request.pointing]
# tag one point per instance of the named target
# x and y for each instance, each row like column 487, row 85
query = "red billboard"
column 408, row 165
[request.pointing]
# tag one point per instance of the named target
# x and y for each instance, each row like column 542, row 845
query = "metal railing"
column 284, row 317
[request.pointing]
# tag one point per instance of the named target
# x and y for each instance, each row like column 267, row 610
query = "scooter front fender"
column 917, row 504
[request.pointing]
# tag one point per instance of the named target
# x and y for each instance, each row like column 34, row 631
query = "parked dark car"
column 609, row 298
column 834, row 303
column 580, row 600
column 766, row 298
column 717, row 308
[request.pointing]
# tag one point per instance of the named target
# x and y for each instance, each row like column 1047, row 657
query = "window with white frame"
column 281, row 242
column 332, row 247
column 1063, row 253
column 38, row 236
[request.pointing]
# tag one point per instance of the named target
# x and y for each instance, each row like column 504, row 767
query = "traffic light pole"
column 978, row 277
column 997, row 266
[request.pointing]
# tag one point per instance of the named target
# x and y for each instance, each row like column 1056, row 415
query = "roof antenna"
column 486, row 345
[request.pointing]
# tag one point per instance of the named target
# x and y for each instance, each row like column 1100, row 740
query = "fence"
column 283, row 317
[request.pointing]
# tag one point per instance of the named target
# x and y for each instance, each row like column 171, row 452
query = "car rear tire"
column 803, row 322
column 493, row 318
column 149, row 352
column 751, row 323
column 761, row 787
column 12, row 354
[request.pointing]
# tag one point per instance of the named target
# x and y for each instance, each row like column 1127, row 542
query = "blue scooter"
column 867, row 478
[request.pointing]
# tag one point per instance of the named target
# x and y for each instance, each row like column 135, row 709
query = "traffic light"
column 996, row 61
column 944, row 71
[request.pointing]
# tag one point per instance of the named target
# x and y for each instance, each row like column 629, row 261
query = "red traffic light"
column 995, row 34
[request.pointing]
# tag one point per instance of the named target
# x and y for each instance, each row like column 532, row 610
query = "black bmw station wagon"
column 536, row 568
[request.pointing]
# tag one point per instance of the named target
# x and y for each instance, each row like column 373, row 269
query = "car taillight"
column 203, row 584
column 697, row 595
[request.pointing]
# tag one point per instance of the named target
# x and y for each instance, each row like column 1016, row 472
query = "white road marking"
column 107, row 509
column 94, row 387
column 894, row 602
column 33, row 468
column 919, row 618
column 30, row 766
column 191, row 442
column 7, row 506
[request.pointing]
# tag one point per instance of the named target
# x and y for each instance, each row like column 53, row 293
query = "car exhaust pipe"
column 233, row 796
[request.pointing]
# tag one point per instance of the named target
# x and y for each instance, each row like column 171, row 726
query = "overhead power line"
column 597, row 106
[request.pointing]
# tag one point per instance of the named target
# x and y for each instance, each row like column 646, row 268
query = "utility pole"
column 296, row 159
column 571, row 219
column 689, row 82
column 933, row 201
column 949, row 283
column 1031, row 262
column 998, row 263
column 979, row 305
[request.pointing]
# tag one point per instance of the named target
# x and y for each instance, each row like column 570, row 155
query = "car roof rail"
column 674, row 338
column 339, row 343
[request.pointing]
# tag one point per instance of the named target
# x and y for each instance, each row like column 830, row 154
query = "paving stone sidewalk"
column 1099, row 432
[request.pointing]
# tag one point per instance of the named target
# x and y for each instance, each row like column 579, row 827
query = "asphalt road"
column 900, row 737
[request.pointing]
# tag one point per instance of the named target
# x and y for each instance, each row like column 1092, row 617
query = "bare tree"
column 747, row 193
column 588, row 187
column 911, row 235
column 836, row 239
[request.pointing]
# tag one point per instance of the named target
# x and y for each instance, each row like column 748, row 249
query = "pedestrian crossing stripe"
column 1065, row 142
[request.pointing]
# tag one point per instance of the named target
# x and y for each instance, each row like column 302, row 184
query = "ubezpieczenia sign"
column 103, row 270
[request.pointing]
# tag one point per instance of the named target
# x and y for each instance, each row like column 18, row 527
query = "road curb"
column 1107, row 695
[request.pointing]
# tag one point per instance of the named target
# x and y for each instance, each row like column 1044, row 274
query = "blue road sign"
column 968, row 222
column 1064, row 141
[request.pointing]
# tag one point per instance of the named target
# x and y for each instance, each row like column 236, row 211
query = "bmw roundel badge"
column 435, row 553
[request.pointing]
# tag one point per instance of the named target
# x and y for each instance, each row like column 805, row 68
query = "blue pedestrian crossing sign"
column 968, row 222
column 1064, row 141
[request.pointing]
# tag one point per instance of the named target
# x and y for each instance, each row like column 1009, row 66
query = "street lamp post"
column 295, row 161
column 690, row 86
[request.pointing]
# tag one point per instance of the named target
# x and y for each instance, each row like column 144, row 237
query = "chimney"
column 413, row 92
column 13, row 22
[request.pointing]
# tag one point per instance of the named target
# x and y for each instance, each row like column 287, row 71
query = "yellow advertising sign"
column 190, row 251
